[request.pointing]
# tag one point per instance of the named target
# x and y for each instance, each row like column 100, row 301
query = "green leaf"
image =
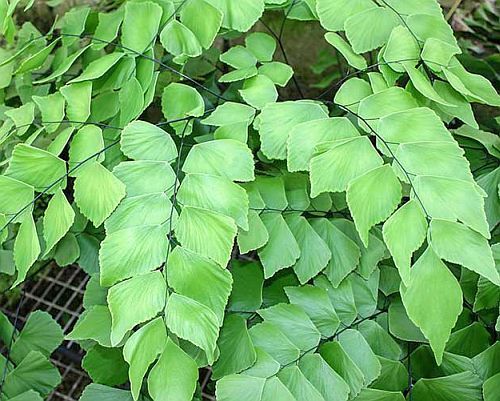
column 52, row 109
column 105, row 365
column 422, row 84
column 199, row 278
column 259, row 91
column 78, row 99
column 240, row 387
column 35, row 372
column 282, row 250
column 365, row 37
column 425, row 26
column 178, row 40
column 433, row 300
column 141, row 140
column 230, row 113
column 146, row 177
column 380, row 340
column 333, row 15
column 26, row 248
column 271, row 339
column 240, row 15
column 87, row 145
column 255, row 237
column 119, row 261
column 438, row 54
column 142, row 349
column 36, row 61
column 135, row 301
column 279, row 73
column 208, row 233
column 490, row 387
column 294, row 323
column 63, row 67
column 203, row 19
column 57, row 220
column 456, row 243
column 261, row 45
column 461, row 107
column 345, row 252
column 97, row 193
column 248, row 280
column 238, row 57
column 238, row 75
column 93, row 324
column 277, row 120
column 464, row 386
column 131, row 101
column 369, row 394
column 316, row 304
column 293, row 378
column 97, row 68
column 451, row 199
column 40, row 333
column 98, row 392
column 353, row 59
column 224, row 157
column 22, row 117
column 372, row 198
column 237, row 352
column 335, row 355
column 181, row 101
column 107, row 27
column 174, row 376
column 332, row 168
column 140, row 25
column 314, row 252
column 402, row 242
column 16, row 197
column 402, row 49
column 192, row 321
column 37, row 167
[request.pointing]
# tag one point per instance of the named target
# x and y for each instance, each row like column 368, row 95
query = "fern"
column 369, row 226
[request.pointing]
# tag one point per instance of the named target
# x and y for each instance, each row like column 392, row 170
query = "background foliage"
column 330, row 242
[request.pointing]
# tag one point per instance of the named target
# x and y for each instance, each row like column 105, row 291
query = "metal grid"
column 59, row 291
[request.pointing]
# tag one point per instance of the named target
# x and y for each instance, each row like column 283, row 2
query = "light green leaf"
column 98, row 68
column 281, row 250
column 203, row 19
column 259, row 91
column 402, row 242
column 57, row 220
column 142, row 349
column 140, row 25
column 208, row 233
column 131, row 101
column 239, row 75
column 316, row 304
column 119, row 261
column 230, row 113
column 240, row 15
column 93, row 324
column 107, row 27
column 97, row 192
column 181, row 101
column 272, row 340
column 237, row 352
column 301, row 388
column 280, row 73
column 402, row 49
column 365, row 37
column 135, row 301
column 255, row 237
column 78, row 98
column 332, row 168
column 174, row 376
column 36, row 61
column 277, row 120
column 238, row 57
column 199, row 278
column 437, row 54
column 37, row 167
column 433, row 300
column 294, row 323
column 314, row 252
column 461, row 107
column 225, row 157
column 194, row 322
column 87, row 145
column 240, row 387
column 333, row 15
column 451, row 199
column 422, row 84
column 105, row 365
column 141, row 140
column 353, row 59
column 369, row 394
column 345, row 252
column 464, row 386
column 372, row 198
column 456, row 243
column 178, row 40
column 261, row 45
column 146, row 177
column 26, row 248
column 94, row 392
column 63, row 67
column 52, row 109
column 16, row 197
column 426, row 26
